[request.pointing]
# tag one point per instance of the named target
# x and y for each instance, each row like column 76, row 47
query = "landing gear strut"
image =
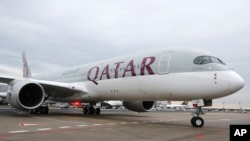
column 196, row 120
column 41, row 110
column 91, row 110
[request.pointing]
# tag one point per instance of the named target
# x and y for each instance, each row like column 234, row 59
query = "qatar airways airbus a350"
column 138, row 80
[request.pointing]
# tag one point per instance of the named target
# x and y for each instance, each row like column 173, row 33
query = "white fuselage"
column 169, row 74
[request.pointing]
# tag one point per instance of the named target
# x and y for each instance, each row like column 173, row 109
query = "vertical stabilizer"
column 26, row 69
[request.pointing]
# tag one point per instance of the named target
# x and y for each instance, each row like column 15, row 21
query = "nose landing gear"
column 196, row 120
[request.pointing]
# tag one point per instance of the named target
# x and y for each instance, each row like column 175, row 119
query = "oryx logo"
column 239, row 132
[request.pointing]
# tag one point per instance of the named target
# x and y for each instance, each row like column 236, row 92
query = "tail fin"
column 26, row 69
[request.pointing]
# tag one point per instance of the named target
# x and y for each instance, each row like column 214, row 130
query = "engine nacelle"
column 139, row 106
column 25, row 95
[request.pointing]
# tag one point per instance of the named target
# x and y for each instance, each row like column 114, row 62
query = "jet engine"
column 139, row 106
column 25, row 95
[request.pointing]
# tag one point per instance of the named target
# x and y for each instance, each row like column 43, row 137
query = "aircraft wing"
column 57, row 89
column 60, row 89
column 6, row 79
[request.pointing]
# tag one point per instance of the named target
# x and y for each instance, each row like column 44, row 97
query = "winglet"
column 26, row 69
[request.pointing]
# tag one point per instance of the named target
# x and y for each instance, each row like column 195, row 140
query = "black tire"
column 97, row 111
column 47, row 110
column 85, row 111
column 192, row 121
column 197, row 121
column 44, row 110
column 91, row 111
column 32, row 111
column 36, row 111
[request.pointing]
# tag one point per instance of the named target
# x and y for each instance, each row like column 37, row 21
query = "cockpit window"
column 207, row 59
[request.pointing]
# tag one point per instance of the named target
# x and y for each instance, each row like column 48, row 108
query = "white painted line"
column 81, row 125
column 43, row 129
column 19, row 131
column 64, row 127
column 134, row 122
column 111, row 123
column 123, row 122
column 225, row 119
column 97, row 124
column 57, row 120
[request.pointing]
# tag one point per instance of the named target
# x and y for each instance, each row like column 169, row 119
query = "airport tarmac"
column 114, row 125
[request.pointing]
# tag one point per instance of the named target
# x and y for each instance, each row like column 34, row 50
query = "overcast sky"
column 57, row 34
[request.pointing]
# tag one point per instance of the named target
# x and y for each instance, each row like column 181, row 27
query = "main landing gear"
column 40, row 110
column 196, row 120
column 91, row 110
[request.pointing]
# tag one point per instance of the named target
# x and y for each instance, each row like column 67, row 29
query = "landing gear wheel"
column 91, row 111
column 85, row 111
column 36, row 111
column 97, row 111
column 197, row 121
column 44, row 110
column 32, row 111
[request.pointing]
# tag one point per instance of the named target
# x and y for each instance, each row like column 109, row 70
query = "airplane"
column 111, row 104
column 163, row 105
column 139, row 79
column 181, row 106
column 3, row 92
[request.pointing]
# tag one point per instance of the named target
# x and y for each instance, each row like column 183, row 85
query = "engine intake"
column 139, row 106
column 26, row 95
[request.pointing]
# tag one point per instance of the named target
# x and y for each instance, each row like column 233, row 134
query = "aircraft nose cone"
column 236, row 82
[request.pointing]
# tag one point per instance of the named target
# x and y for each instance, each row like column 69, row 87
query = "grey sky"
column 58, row 33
